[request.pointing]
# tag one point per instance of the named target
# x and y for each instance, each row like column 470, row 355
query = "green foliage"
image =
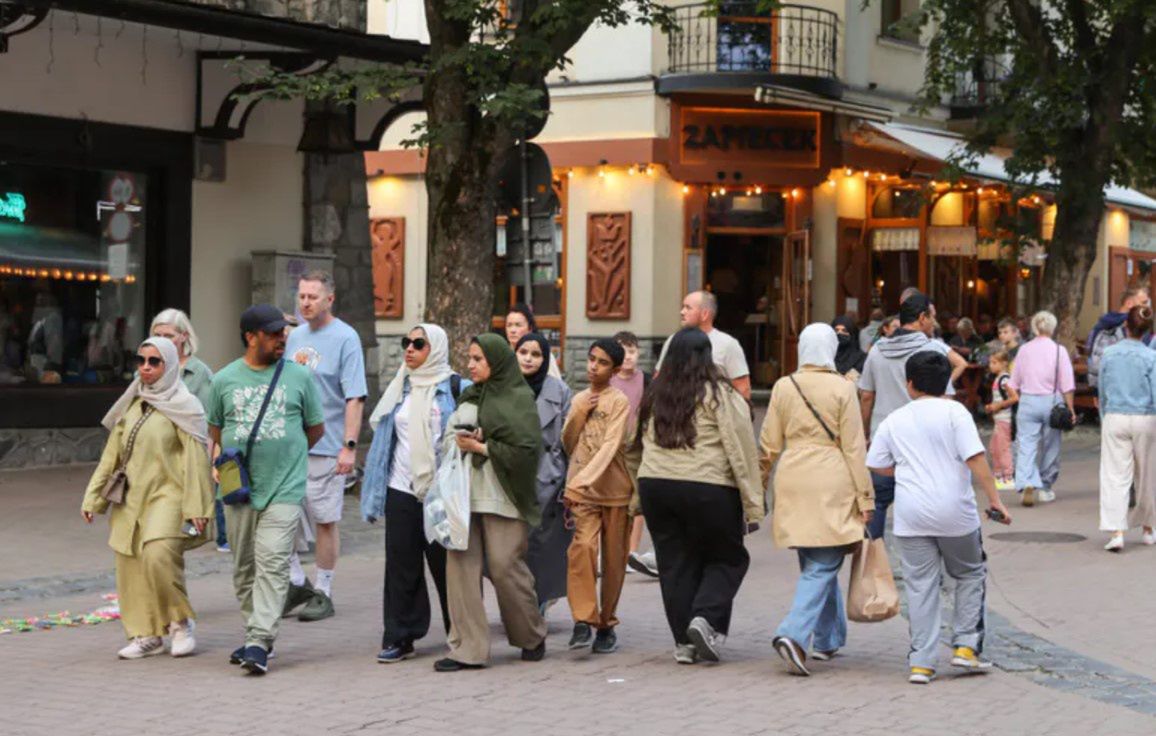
column 501, row 60
column 1069, row 82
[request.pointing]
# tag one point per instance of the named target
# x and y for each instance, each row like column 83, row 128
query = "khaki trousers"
column 1127, row 456
column 595, row 525
column 262, row 542
column 498, row 543
column 150, row 587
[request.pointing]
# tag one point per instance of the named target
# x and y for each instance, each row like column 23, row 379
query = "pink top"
column 1034, row 371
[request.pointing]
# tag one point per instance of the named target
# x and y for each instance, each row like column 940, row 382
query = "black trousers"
column 697, row 530
column 405, row 603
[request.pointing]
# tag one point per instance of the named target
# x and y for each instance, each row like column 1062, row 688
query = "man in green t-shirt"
column 262, row 531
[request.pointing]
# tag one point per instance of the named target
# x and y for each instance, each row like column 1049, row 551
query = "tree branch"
column 1029, row 24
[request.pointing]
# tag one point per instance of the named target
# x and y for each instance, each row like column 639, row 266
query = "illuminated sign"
column 12, row 206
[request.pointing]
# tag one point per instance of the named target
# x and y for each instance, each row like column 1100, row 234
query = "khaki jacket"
column 169, row 483
column 820, row 486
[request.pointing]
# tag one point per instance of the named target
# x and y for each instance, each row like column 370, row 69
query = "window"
column 734, row 209
column 72, row 251
column 897, row 203
column 543, row 268
column 901, row 20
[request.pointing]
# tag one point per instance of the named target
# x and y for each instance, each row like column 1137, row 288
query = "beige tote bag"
column 872, row 595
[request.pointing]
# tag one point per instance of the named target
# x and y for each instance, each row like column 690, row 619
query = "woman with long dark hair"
column 699, row 489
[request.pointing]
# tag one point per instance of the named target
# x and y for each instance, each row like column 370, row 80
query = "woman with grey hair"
column 1044, row 378
column 174, row 325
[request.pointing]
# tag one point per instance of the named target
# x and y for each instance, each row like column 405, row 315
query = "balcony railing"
column 788, row 41
column 977, row 88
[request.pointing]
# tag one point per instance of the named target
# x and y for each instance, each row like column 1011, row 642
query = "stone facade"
column 32, row 448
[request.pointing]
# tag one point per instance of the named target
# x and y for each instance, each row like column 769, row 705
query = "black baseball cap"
column 263, row 318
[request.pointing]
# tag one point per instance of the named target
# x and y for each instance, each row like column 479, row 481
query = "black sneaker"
column 255, row 661
column 238, row 655
column 536, row 654
column 582, row 637
column 396, row 653
column 605, row 642
column 452, row 665
column 297, row 596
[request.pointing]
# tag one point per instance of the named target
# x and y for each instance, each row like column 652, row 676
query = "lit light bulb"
column 758, row 190
column 848, row 171
column 685, row 189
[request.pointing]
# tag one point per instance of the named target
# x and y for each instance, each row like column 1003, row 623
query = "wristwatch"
column 351, row 444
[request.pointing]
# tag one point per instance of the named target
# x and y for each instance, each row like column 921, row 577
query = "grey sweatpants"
column 966, row 564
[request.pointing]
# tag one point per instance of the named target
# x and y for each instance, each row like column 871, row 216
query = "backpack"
column 455, row 386
column 1104, row 340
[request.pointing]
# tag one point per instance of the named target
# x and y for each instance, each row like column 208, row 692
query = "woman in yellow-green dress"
column 158, row 433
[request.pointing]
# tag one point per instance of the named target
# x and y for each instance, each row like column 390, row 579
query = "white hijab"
column 423, row 383
column 168, row 395
column 817, row 346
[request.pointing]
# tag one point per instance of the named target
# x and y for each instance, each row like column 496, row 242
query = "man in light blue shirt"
column 331, row 349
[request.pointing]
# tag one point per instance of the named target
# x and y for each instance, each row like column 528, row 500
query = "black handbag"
column 1061, row 417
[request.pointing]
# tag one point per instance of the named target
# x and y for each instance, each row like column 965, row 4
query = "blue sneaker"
column 238, row 655
column 395, row 653
column 255, row 660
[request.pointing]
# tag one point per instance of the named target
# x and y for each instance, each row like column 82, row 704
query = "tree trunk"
column 1079, row 210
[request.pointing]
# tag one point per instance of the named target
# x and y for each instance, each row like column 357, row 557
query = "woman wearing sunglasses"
column 158, row 440
column 408, row 425
column 550, row 540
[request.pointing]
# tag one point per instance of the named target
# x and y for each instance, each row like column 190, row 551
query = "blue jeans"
column 1037, row 444
column 817, row 610
column 222, row 538
column 884, row 496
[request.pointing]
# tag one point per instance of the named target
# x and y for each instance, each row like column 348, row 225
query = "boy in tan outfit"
column 598, row 490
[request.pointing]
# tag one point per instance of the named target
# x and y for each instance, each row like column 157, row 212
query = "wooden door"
column 796, row 295
column 853, row 266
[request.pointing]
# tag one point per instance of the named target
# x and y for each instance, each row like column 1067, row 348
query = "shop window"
column 542, row 270
column 897, row 203
column 72, row 252
column 993, row 215
column 766, row 210
column 901, row 20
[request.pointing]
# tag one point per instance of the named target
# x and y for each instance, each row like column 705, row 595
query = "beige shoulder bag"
column 117, row 486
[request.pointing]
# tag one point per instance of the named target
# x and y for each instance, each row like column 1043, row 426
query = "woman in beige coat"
column 823, row 496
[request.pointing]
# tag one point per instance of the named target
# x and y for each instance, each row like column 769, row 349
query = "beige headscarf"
column 423, row 383
column 168, row 395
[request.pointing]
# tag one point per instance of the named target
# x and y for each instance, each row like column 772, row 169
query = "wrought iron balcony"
column 791, row 45
column 977, row 88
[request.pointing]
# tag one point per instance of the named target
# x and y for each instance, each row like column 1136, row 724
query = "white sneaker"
column 1044, row 496
column 645, row 563
column 143, row 646
column 685, row 654
column 704, row 638
column 1149, row 538
column 183, row 643
column 1115, row 544
column 1005, row 485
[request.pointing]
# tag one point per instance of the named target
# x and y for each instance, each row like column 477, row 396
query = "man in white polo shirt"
column 699, row 309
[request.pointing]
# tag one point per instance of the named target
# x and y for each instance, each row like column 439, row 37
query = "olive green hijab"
column 508, row 418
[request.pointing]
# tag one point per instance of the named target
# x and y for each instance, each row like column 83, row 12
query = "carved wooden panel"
column 608, row 265
column 388, row 237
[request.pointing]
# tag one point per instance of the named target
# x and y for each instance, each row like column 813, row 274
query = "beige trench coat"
column 821, row 486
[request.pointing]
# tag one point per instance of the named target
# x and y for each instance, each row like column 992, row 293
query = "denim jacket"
column 1128, row 379
column 377, row 463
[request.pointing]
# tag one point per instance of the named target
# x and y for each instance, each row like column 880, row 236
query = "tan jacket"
column 724, row 452
column 596, row 444
column 169, row 483
column 820, row 486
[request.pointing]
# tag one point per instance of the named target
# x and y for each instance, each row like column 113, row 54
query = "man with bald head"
column 699, row 309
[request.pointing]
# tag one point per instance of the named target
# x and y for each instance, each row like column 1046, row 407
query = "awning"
column 944, row 146
column 771, row 94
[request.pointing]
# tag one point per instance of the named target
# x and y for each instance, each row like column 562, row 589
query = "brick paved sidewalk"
column 1056, row 606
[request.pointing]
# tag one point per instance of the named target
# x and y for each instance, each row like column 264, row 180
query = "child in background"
column 1003, row 400
column 1009, row 338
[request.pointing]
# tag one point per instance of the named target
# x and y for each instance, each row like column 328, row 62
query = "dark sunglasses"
column 152, row 360
column 418, row 343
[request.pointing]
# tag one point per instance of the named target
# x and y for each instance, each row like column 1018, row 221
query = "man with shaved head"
column 699, row 309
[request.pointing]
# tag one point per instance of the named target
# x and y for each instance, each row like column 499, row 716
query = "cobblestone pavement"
column 1068, row 623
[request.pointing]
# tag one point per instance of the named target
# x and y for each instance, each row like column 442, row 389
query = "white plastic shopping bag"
column 447, row 504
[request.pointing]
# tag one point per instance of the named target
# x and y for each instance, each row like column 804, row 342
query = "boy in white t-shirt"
column 932, row 447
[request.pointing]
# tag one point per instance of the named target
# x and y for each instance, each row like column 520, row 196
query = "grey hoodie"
column 885, row 372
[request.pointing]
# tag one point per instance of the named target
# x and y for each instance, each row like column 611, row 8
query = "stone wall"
column 577, row 346
column 31, row 448
column 349, row 14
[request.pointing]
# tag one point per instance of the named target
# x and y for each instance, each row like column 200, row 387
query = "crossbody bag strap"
column 261, row 414
column 818, row 418
column 1056, row 382
column 146, row 412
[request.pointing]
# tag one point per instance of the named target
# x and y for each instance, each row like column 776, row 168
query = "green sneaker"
column 297, row 596
column 319, row 607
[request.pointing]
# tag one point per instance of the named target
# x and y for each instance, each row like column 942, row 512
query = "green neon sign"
column 13, row 206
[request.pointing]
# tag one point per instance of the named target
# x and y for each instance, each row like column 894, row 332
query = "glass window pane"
column 72, row 257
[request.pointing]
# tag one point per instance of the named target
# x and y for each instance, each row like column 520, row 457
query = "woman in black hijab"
column 848, row 357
